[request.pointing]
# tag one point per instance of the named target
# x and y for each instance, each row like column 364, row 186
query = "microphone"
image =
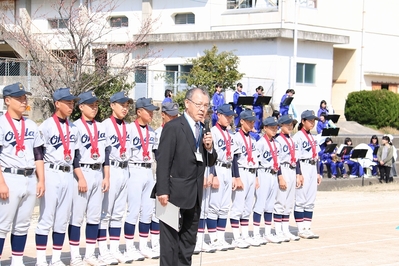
column 206, row 126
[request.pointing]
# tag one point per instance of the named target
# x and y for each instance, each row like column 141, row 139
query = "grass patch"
column 389, row 130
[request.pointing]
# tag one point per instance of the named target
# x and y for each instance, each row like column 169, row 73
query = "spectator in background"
column 322, row 123
column 284, row 108
column 258, row 109
column 168, row 96
column 217, row 100
column 356, row 170
column 385, row 156
column 395, row 156
column 323, row 108
column 238, row 108
column 276, row 114
column 374, row 145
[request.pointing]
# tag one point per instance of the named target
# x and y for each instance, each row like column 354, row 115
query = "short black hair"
column 239, row 84
column 168, row 93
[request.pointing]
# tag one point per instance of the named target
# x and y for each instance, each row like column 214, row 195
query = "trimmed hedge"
column 379, row 108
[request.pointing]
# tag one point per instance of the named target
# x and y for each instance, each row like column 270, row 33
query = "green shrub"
column 379, row 108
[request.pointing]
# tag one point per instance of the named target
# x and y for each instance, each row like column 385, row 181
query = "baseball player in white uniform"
column 21, row 155
column 117, row 133
column 288, row 178
column 141, row 181
column 267, row 175
column 308, row 162
column 61, row 156
column 94, row 165
column 245, row 164
column 221, row 184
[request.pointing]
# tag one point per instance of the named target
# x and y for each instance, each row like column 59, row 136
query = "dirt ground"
column 357, row 226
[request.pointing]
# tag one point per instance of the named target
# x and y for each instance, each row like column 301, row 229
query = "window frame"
column 55, row 23
column 187, row 19
column 304, row 72
column 121, row 24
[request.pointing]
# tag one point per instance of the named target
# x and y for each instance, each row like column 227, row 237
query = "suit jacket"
column 179, row 175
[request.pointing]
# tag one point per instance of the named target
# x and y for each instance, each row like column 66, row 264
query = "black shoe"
column 380, row 180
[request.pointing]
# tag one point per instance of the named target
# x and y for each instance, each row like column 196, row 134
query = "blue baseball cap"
column 248, row 115
column 120, row 97
column 87, row 97
column 226, row 109
column 15, row 90
column 270, row 121
column 146, row 103
column 308, row 115
column 170, row 108
column 285, row 119
column 63, row 94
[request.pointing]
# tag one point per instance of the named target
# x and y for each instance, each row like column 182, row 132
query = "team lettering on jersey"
column 222, row 144
column 136, row 141
column 115, row 141
column 244, row 149
column 86, row 139
column 57, row 142
column 10, row 136
column 306, row 145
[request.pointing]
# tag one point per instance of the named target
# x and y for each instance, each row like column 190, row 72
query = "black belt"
column 251, row 170
column 145, row 165
column 19, row 171
column 309, row 161
column 63, row 168
column 119, row 164
column 289, row 165
column 94, row 166
column 268, row 170
column 225, row 165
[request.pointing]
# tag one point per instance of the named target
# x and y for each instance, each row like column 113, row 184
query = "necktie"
column 197, row 131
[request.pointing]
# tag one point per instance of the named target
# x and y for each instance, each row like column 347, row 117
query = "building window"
column 305, row 73
column 119, row 22
column 308, row 3
column 58, row 23
column 188, row 18
column 240, row 4
column 140, row 74
column 173, row 76
column 100, row 60
column 385, row 86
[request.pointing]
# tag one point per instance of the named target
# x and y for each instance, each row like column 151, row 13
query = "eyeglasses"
column 198, row 105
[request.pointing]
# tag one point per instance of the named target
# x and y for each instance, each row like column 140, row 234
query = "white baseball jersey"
column 284, row 154
column 241, row 149
column 137, row 146
column 8, row 157
column 158, row 133
column 54, row 150
column 220, row 145
column 265, row 154
column 304, row 146
column 113, row 141
column 85, row 144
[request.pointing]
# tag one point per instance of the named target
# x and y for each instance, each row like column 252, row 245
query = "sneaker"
column 93, row 261
column 240, row 243
column 283, row 238
column 204, row 247
column 305, row 234
column 132, row 254
column 253, row 242
column 227, row 245
column 148, row 253
column 313, row 234
column 218, row 245
column 107, row 258
column 345, row 176
column 156, row 249
column 270, row 238
column 334, row 177
column 120, row 257
column 291, row 236
column 76, row 261
column 57, row 263
column 352, row 176
column 260, row 239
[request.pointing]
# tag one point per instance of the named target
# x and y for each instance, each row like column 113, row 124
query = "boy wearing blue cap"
column 60, row 158
column 21, row 156
column 94, row 168
column 139, row 204
column 220, row 196
column 267, row 172
column 244, row 171
column 308, row 161
column 288, row 178
column 117, row 134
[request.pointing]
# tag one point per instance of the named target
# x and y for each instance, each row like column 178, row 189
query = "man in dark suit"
column 184, row 151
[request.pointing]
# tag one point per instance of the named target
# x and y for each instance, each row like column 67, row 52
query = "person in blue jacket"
column 323, row 108
column 258, row 109
column 238, row 108
column 217, row 100
column 374, row 145
column 322, row 123
column 284, row 108
column 331, row 161
column 356, row 170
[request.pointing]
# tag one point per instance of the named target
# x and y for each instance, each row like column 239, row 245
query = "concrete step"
column 329, row 184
